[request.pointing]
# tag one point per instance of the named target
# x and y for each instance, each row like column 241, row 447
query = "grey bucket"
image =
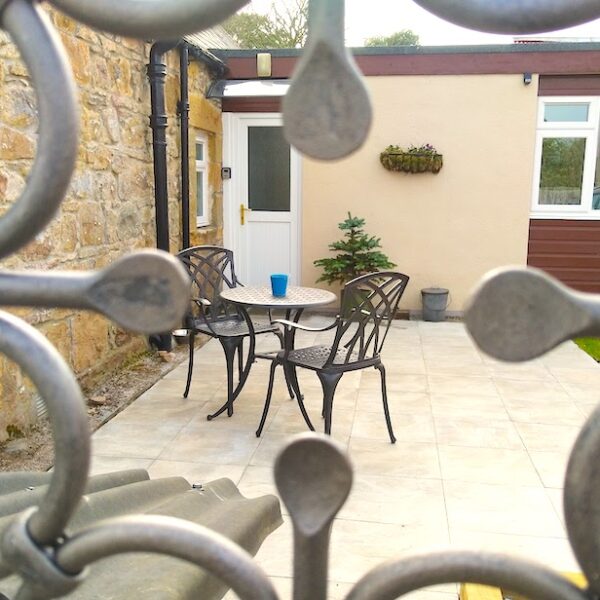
column 435, row 302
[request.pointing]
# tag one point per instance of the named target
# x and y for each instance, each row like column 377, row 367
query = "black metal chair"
column 368, row 305
column 212, row 269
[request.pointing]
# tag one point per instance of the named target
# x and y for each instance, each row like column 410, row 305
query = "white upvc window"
column 202, row 198
column 566, row 182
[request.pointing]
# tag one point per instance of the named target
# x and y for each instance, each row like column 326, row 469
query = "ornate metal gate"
column 146, row 292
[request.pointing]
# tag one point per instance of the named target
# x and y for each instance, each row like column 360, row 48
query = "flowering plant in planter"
column 414, row 159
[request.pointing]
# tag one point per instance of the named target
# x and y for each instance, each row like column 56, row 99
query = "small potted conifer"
column 356, row 254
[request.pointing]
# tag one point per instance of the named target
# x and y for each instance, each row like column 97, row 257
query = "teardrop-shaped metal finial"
column 314, row 477
column 582, row 488
column 517, row 314
column 514, row 16
column 147, row 291
column 145, row 19
column 327, row 111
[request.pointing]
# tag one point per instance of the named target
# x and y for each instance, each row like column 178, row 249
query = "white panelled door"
column 261, row 200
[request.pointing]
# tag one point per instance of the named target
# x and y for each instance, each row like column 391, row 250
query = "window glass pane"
column 569, row 113
column 199, row 151
column 562, row 171
column 596, row 197
column 199, row 193
column 268, row 169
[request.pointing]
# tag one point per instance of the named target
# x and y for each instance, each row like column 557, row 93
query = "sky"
column 369, row 18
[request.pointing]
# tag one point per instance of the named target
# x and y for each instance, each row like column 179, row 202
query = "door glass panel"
column 566, row 113
column 268, row 169
column 562, row 171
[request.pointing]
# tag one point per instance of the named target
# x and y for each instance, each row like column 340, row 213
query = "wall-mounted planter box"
column 411, row 162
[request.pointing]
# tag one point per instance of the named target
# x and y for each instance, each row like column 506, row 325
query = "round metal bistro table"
column 296, row 300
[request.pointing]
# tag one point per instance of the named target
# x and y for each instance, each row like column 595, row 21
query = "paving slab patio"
column 479, row 463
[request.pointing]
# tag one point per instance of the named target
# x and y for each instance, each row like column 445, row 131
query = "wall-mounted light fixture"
column 263, row 64
column 527, row 78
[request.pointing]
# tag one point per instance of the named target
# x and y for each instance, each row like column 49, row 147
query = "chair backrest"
column 211, row 269
column 368, row 305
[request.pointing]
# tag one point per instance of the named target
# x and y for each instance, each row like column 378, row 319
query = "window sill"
column 566, row 216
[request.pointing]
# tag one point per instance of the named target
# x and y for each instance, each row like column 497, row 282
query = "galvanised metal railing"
column 148, row 292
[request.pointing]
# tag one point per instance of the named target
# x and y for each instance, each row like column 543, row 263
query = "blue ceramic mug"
column 279, row 283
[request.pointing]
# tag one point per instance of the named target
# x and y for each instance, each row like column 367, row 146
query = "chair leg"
column 190, row 365
column 287, row 381
column 329, row 382
column 267, row 399
column 290, row 392
column 386, row 410
column 290, row 375
column 230, row 346
column 240, row 354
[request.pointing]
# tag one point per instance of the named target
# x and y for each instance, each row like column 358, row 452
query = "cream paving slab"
column 471, row 482
column 134, row 440
column 408, row 366
column 400, row 501
column 552, row 552
column 169, row 413
column 573, row 375
column 359, row 546
column 527, row 371
column 507, row 509
column 108, row 464
column 568, row 355
column 431, row 340
column 487, row 465
column 407, row 427
column 258, row 481
column 271, row 443
column 289, row 420
column 451, row 367
column 547, row 438
column 551, row 467
column 477, row 433
column 457, row 384
column 370, row 400
column 195, row 472
column 530, row 390
column 219, row 446
column 245, row 418
column 404, row 382
column 556, row 497
column 586, row 408
column 468, row 406
column 335, row 590
column 402, row 459
column 583, row 391
column 534, row 410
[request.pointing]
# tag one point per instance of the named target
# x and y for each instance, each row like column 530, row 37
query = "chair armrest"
column 293, row 325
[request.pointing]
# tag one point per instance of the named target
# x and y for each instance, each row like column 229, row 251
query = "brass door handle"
column 243, row 210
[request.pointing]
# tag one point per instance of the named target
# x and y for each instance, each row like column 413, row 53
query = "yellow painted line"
column 470, row 591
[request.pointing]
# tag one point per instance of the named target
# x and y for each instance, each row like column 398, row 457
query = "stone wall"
column 109, row 209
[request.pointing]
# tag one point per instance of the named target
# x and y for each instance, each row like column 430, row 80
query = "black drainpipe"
column 157, row 73
column 184, row 120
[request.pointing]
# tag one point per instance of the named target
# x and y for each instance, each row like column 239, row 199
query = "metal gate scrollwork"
column 147, row 292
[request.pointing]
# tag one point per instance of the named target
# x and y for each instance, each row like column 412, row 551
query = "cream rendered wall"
column 443, row 230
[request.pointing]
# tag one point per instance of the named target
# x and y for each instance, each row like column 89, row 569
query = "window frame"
column 202, row 166
column 575, row 129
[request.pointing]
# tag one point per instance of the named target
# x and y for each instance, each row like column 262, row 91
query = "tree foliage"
column 406, row 37
column 284, row 27
column 357, row 254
